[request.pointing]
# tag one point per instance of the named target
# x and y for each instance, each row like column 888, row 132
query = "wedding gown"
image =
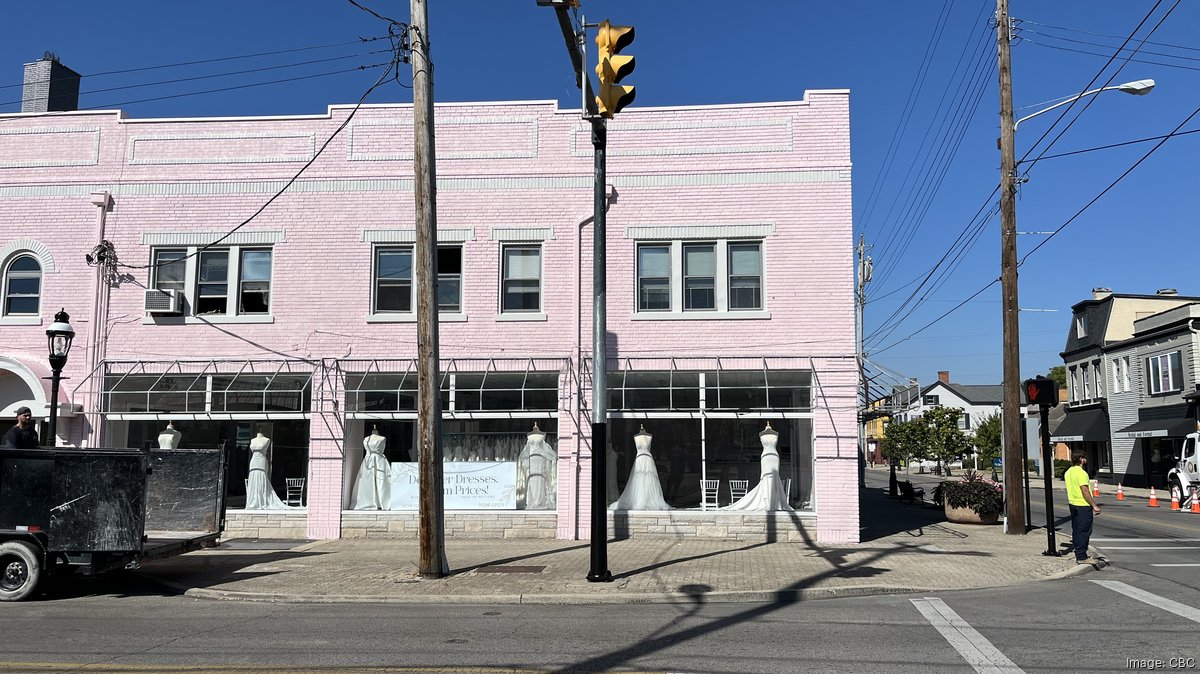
column 768, row 494
column 260, row 495
column 643, row 490
column 537, row 470
column 371, row 489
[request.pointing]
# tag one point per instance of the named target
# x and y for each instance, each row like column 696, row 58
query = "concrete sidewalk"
column 906, row 548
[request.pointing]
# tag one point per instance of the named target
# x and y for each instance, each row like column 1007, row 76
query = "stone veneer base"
column 742, row 526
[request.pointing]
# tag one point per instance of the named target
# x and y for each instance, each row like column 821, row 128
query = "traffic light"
column 1042, row 391
column 613, row 67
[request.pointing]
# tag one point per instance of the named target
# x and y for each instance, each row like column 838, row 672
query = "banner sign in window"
column 468, row 485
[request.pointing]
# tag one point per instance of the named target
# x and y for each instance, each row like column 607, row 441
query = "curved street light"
column 58, row 339
column 1136, row 88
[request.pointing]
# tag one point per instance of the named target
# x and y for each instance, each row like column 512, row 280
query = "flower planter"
column 969, row 516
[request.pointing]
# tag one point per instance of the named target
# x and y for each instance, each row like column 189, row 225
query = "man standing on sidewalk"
column 22, row 435
column 1083, row 506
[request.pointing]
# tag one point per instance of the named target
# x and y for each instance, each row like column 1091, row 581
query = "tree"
column 905, row 440
column 1059, row 374
column 987, row 440
column 946, row 440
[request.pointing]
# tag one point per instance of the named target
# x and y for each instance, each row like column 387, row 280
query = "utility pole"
column 1014, row 462
column 431, row 528
column 860, row 302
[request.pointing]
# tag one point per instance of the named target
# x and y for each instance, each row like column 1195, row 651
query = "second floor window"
column 233, row 281
column 395, row 281
column 699, row 277
column 521, row 279
column 22, row 286
column 1164, row 373
column 709, row 276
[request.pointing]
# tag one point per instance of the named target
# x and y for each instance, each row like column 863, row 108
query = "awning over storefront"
column 1083, row 426
column 1174, row 427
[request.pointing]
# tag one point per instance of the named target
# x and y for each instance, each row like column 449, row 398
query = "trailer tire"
column 20, row 570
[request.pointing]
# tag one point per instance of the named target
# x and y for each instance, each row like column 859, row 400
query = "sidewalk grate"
column 510, row 569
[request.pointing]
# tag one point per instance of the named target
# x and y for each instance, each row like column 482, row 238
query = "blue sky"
column 924, row 121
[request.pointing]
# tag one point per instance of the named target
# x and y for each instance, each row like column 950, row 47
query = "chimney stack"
column 944, row 376
column 49, row 86
column 1101, row 293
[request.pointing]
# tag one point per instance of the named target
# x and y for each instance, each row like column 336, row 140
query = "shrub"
column 983, row 496
column 1060, row 468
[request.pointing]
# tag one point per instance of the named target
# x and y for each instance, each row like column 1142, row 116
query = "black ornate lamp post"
column 58, row 336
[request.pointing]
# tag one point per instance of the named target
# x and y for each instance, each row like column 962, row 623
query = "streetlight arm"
column 1138, row 88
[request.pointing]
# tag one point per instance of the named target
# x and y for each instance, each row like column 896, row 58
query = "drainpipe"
column 96, row 333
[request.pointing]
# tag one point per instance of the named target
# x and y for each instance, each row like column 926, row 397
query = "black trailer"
column 94, row 510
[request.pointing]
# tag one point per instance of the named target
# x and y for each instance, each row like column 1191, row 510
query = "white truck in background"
column 1184, row 479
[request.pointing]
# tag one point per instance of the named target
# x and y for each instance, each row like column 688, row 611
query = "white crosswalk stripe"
column 1182, row 610
column 983, row 657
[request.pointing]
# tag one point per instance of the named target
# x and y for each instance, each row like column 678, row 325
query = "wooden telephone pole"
column 1014, row 460
column 431, row 530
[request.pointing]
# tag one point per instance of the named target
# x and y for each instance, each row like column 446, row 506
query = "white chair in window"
column 738, row 489
column 708, row 493
column 295, row 491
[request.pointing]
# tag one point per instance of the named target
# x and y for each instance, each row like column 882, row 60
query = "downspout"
column 97, row 338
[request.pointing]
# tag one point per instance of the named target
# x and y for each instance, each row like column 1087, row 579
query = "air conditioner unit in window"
column 163, row 301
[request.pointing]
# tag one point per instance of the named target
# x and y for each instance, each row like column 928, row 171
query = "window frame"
column 504, row 281
column 699, row 246
column 10, row 274
column 1160, row 380
column 192, row 260
column 723, row 280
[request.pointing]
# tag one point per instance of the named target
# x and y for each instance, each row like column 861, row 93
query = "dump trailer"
column 94, row 510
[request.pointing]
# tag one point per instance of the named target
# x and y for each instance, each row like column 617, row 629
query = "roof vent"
column 1167, row 291
column 1101, row 293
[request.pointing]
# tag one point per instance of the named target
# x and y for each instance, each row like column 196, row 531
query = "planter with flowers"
column 971, row 500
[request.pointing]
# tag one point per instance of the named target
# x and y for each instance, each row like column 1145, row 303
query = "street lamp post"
column 1014, row 463
column 58, row 338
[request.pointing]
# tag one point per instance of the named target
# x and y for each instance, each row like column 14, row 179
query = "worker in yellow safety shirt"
column 1083, row 506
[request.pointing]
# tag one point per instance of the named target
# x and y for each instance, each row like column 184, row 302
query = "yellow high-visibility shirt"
column 1077, row 478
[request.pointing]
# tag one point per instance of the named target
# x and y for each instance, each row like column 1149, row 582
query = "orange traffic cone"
column 1195, row 502
column 1120, row 492
column 1095, row 487
column 1175, row 499
column 1153, row 498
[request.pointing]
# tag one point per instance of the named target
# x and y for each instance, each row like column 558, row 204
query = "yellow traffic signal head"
column 612, row 67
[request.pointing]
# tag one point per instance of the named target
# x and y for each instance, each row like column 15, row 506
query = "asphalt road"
column 1070, row 625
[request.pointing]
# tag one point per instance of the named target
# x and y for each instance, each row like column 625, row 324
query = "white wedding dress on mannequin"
column 260, row 495
column 643, row 491
column 537, row 470
column 169, row 438
column 371, row 488
column 768, row 493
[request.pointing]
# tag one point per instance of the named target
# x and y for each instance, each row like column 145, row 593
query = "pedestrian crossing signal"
column 1042, row 391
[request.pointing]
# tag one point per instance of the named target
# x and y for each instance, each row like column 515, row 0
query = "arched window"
column 22, row 286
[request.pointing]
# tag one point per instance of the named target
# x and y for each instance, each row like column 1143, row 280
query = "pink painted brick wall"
column 511, row 165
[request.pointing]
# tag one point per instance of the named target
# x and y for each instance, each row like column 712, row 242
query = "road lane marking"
column 970, row 644
column 1145, row 540
column 1182, row 610
column 1149, row 547
column 1175, row 565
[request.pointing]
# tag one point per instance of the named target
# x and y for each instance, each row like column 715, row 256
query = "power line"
column 1092, row 53
column 1115, row 37
column 216, row 75
column 1108, row 46
column 1112, row 145
column 360, row 40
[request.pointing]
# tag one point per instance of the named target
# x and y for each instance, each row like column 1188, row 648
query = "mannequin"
column 371, row 489
column 768, row 493
column 260, row 495
column 643, row 491
column 537, row 472
column 611, row 493
column 169, row 438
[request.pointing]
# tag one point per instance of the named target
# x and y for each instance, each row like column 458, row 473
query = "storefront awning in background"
column 1174, row 427
column 1083, row 426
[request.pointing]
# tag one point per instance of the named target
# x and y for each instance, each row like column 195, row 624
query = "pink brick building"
column 730, row 303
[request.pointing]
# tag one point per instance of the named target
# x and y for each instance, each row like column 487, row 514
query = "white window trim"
column 6, row 273
column 721, row 283
column 538, row 314
column 233, row 281
column 459, row 316
column 1164, row 374
column 1081, row 325
column 1125, row 386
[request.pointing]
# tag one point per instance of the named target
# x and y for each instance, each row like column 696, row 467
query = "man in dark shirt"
column 23, row 435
